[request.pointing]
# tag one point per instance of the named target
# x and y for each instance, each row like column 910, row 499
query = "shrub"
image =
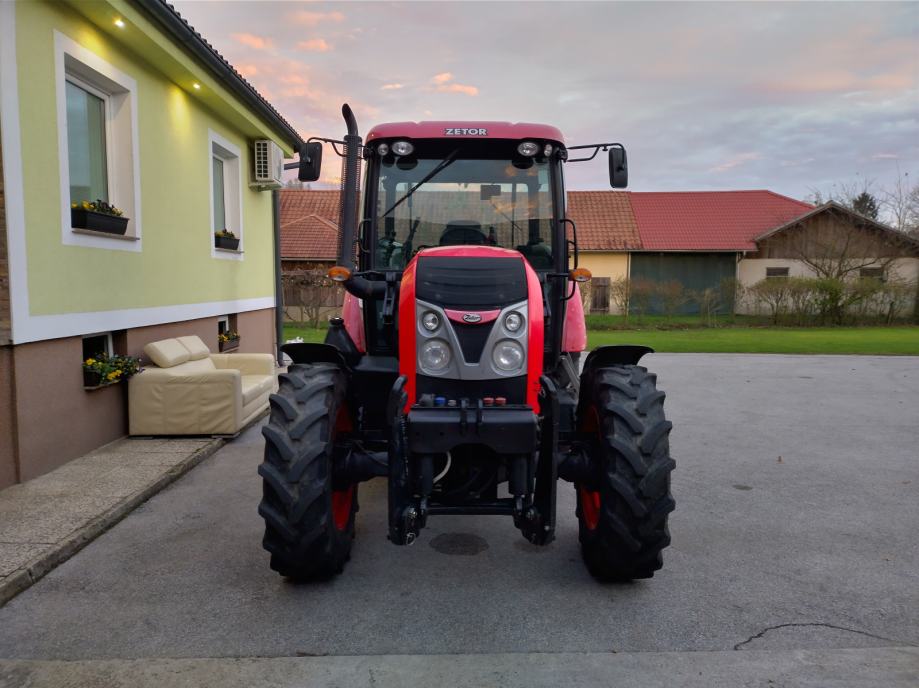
column 802, row 299
column 732, row 294
column 773, row 294
column 641, row 294
column 672, row 297
column 619, row 292
column 894, row 298
column 709, row 301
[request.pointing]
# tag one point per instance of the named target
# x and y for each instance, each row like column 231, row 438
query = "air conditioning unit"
column 268, row 165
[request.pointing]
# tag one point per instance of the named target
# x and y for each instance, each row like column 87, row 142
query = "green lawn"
column 770, row 340
column 309, row 334
column 757, row 340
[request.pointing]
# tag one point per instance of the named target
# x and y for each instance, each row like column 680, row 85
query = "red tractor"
column 454, row 373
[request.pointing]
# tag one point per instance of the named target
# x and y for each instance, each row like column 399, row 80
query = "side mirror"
column 310, row 162
column 487, row 191
column 618, row 168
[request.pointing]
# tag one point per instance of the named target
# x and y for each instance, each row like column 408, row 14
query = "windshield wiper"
column 445, row 163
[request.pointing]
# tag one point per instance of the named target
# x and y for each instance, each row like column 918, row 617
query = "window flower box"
column 104, row 370
column 228, row 341
column 226, row 240
column 98, row 217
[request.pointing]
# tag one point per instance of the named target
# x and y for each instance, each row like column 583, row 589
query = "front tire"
column 623, row 515
column 309, row 526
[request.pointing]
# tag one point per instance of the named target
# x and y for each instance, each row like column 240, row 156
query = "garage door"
column 695, row 271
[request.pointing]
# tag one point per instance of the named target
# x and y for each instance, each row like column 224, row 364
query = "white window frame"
column 109, row 345
column 231, row 155
column 83, row 68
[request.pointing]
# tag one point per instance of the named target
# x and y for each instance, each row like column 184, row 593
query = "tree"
column 845, row 193
column 866, row 204
column 309, row 292
column 841, row 249
column 900, row 204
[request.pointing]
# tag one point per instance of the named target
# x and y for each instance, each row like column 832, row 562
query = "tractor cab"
column 495, row 188
column 450, row 374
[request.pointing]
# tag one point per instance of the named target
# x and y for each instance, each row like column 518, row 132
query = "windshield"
column 451, row 200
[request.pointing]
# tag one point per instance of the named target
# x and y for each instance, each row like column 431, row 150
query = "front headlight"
column 435, row 355
column 513, row 321
column 508, row 355
column 430, row 321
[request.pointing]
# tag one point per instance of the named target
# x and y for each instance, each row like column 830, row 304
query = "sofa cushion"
column 254, row 386
column 202, row 365
column 167, row 353
column 196, row 348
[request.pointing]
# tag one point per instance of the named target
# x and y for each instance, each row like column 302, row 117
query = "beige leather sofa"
column 191, row 391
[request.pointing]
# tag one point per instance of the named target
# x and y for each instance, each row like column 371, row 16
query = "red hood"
column 471, row 251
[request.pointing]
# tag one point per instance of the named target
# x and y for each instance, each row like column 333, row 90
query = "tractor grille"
column 471, row 283
column 472, row 339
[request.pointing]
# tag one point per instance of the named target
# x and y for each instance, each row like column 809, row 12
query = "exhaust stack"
column 343, row 271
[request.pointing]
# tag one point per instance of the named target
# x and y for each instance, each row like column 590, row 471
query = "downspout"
column 278, row 285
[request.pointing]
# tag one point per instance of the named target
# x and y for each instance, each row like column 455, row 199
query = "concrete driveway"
column 794, row 560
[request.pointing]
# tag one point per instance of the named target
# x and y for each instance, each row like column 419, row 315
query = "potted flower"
column 98, row 216
column 227, row 341
column 226, row 239
column 103, row 370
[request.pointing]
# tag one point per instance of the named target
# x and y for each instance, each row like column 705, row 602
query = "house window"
column 87, row 156
column 220, row 195
column 226, row 196
column 97, row 144
column 872, row 273
column 775, row 273
column 95, row 345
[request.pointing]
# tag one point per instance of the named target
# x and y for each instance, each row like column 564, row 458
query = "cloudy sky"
column 786, row 96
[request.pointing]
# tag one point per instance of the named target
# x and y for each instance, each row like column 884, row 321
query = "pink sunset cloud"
column 314, row 45
column 820, row 93
column 307, row 18
column 442, row 84
column 252, row 40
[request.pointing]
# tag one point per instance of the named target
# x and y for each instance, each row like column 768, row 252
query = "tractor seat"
column 462, row 232
column 538, row 253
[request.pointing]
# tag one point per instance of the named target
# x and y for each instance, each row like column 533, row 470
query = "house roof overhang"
column 861, row 219
column 171, row 45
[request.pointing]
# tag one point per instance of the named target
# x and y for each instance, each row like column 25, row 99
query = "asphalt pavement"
column 793, row 558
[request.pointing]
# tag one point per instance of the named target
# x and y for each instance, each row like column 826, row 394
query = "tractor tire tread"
column 634, row 476
column 300, row 533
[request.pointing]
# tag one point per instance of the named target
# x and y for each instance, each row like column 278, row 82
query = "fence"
column 310, row 296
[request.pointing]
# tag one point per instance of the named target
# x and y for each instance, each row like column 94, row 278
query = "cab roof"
column 465, row 130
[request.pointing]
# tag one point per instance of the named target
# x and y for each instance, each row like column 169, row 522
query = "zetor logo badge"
column 472, row 317
column 465, row 132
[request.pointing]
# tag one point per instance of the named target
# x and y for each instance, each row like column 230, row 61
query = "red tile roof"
column 309, row 224
column 604, row 219
column 710, row 220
